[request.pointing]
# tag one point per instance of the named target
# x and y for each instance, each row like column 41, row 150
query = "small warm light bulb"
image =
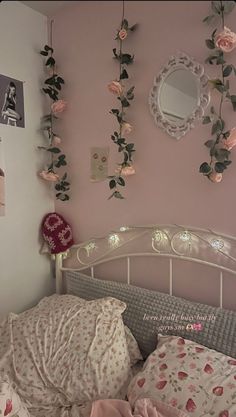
column 114, row 240
column 123, row 228
column 217, row 244
column 185, row 236
column 157, row 236
column 90, row 247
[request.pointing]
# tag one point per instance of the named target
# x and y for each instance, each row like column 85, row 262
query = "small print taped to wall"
column 99, row 163
column 2, row 181
column 11, row 102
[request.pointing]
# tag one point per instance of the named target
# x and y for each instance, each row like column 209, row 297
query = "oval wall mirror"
column 179, row 95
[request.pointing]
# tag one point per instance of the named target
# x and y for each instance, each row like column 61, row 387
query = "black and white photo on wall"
column 11, row 102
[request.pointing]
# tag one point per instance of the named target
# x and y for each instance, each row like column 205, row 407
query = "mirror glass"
column 179, row 95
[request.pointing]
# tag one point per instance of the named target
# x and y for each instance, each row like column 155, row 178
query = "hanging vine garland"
column 52, row 88
column 125, row 96
column 223, row 139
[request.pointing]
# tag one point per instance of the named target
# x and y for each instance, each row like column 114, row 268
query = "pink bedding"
column 145, row 407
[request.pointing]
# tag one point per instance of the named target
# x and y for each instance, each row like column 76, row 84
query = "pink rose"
column 49, row 176
column 216, row 176
column 232, row 362
column 126, row 128
column 125, row 171
column 58, row 106
column 181, row 341
column 122, row 34
column 128, row 170
column 226, row 40
column 162, row 355
column 115, row 88
column 56, row 141
column 230, row 142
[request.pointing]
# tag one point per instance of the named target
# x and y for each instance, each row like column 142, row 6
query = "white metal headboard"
column 172, row 241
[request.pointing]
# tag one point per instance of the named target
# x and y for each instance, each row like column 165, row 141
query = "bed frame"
column 203, row 246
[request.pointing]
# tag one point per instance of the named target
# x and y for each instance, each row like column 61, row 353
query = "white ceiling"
column 48, row 8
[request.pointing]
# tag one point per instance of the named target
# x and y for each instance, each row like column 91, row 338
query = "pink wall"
column 167, row 187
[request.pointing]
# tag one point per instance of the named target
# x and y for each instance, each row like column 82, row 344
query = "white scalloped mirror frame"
column 175, row 62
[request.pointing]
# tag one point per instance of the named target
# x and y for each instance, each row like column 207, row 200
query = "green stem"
column 51, row 115
column 222, row 14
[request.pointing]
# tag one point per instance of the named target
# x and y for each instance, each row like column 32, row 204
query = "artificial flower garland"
column 223, row 139
column 117, row 88
column 52, row 88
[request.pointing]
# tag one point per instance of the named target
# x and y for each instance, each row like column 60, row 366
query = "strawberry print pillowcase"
column 10, row 402
column 191, row 377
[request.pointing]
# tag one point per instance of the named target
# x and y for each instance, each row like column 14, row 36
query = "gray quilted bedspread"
column 150, row 313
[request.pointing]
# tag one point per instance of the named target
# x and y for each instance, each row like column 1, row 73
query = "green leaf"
column 115, row 111
column 112, row 184
column 209, row 18
column 117, row 194
column 124, row 102
column 227, row 70
column 44, row 53
column 54, row 150
column 125, row 24
column 48, row 48
column 50, row 61
column 228, row 6
column 130, row 146
column 216, row 7
column 121, row 181
column 206, row 120
column 213, row 34
column 124, row 75
column 222, row 154
column 233, row 101
column 216, row 127
column 205, row 168
column 60, row 80
column 50, row 81
column 209, row 143
column 114, row 52
column 58, row 86
column 126, row 59
column 220, row 87
column 219, row 167
column 210, row 44
column 134, row 27
column 220, row 60
column 63, row 197
column 130, row 91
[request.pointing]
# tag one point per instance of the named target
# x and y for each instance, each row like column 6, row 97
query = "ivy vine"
column 124, row 96
column 52, row 88
column 223, row 139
